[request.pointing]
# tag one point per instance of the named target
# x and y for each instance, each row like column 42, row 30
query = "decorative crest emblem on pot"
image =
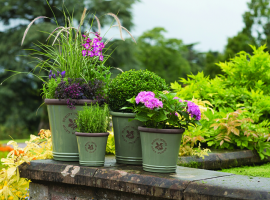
column 69, row 124
column 159, row 145
column 72, row 124
column 130, row 134
column 90, row 147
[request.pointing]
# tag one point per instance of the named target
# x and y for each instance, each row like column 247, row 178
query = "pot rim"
column 122, row 114
column 157, row 130
column 91, row 134
column 64, row 101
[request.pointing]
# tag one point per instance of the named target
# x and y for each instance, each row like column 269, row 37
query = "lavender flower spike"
column 63, row 74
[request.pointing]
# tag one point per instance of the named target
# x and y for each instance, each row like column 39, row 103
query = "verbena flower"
column 83, row 52
column 94, row 47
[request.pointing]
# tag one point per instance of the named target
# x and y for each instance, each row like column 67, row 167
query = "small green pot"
column 63, row 127
column 92, row 148
column 160, row 148
column 127, row 138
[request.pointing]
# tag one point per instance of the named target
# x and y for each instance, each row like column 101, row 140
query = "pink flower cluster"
column 148, row 99
column 93, row 47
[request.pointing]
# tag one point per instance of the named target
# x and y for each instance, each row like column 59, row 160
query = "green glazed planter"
column 63, row 127
column 127, row 138
column 92, row 148
column 160, row 148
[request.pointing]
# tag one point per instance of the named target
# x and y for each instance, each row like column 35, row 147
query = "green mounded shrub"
column 128, row 84
column 93, row 119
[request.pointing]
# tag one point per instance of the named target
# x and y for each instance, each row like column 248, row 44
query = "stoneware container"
column 127, row 138
column 92, row 148
column 160, row 148
column 63, row 127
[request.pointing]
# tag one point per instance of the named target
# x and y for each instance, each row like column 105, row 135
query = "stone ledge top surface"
column 129, row 178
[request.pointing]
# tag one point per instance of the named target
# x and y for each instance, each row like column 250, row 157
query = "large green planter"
column 127, row 138
column 63, row 128
column 160, row 148
column 92, row 148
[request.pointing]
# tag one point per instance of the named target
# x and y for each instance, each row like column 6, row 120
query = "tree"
column 162, row 56
column 256, row 30
column 20, row 94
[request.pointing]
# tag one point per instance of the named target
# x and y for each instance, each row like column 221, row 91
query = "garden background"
column 170, row 58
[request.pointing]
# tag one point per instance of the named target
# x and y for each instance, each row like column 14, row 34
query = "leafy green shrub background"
column 128, row 84
column 245, row 85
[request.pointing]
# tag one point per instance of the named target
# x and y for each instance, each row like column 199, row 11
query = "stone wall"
column 54, row 180
column 51, row 191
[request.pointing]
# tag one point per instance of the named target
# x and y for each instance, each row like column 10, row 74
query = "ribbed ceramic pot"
column 63, row 127
column 127, row 138
column 160, row 148
column 92, row 148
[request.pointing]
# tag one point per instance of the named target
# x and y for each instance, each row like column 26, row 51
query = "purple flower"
column 87, row 45
column 83, row 52
column 88, row 40
column 193, row 110
column 90, row 53
column 102, row 45
column 50, row 72
column 101, row 58
column 148, row 99
column 84, row 36
column 50, row 76
column 58, row 73
column 97, row 53
column 53, row 76
column 95, row 40
column 63, row 74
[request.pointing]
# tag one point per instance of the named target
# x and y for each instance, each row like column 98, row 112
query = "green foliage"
column 128, row 84
column 244, row 85
column 191, row 164
column 110, row 148
column 93, row 119
column 49, row 89
column 257, row 171
column 3, row 154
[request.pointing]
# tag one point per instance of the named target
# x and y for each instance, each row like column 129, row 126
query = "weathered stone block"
column 56, row 196
column 38, row 192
